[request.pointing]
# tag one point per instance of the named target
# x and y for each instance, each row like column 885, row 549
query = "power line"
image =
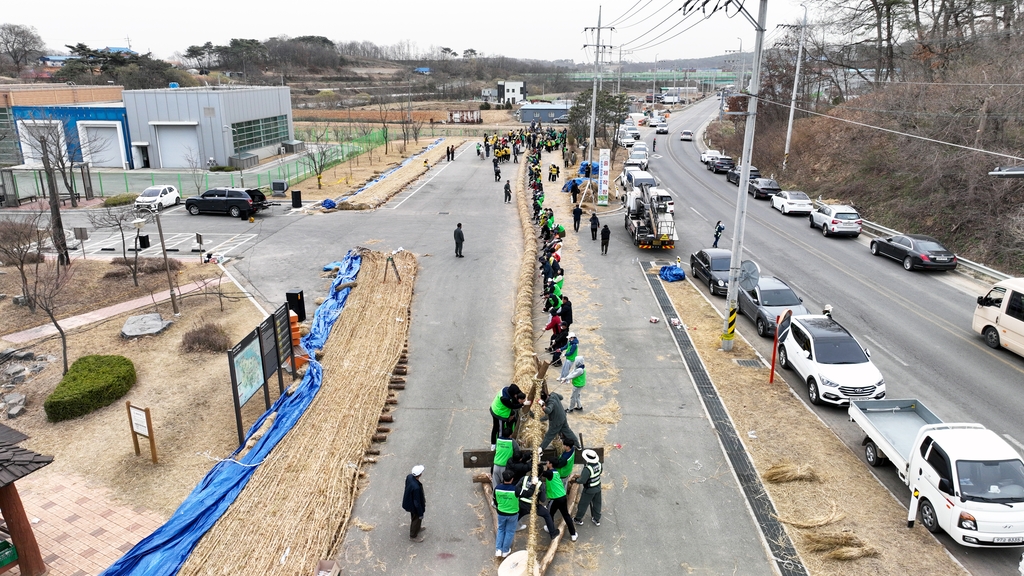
column 684, row 30
column 648, row 17
column 627, row 14
column 678, row 10
column 985, row 84
column 897, row 132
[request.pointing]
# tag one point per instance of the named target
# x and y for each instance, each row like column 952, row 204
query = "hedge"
column 119, row 200
column 91, row 383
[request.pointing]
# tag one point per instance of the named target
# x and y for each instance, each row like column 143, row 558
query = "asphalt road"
column 916, row 325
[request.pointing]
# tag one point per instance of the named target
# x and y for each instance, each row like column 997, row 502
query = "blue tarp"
column 328, row 204
column 594, row 168
column 163, row 552
column 329, row 311
column 387, row 173
column 568, row 184
column 672, row 273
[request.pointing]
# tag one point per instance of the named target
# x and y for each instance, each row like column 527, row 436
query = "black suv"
column 721, row 164
column 232, row 201
column 763, row 187
column 734, row 174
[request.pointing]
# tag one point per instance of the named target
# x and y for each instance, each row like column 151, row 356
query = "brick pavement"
column 81, row 529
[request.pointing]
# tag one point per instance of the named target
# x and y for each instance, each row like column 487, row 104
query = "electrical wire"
column 897, row 132
column 665, row 32
column 678, row 10
column 979, row 85
column 627, row 14
column 684, row 30
column 648, row 17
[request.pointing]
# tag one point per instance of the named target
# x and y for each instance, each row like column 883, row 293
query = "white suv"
column 835, row 367
column 837, row 220
column 157, row 197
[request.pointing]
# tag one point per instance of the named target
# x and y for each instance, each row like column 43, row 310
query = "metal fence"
column 28, row 184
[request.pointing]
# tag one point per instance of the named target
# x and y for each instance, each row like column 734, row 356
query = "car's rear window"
column 839, row 351
column 798, row 196
column 929, row 246
column 720, row 264
column 769, row 183
column 847, row 216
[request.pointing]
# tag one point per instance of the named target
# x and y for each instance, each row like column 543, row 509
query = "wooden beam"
column 30, row 561
column 549, row 556
column 488, row 499
column 485, row 458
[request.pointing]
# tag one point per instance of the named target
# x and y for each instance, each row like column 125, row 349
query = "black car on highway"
column 915, row 251
column 763, row 187
column 721, row 164
column 234, row 202
column 712, row 266
column 733, row 175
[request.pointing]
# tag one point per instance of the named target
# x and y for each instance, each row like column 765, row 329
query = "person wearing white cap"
column 590, row 478
column 577, row 374
column 414, row 502
column 571, row 349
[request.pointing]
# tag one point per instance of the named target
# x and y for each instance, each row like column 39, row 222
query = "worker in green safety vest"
column 590, row 478
column 507, row 503
column 505, row 448
column 567, row 460
column 557, row 496
column 524, row 490
column 505, row 410
column 578, row 376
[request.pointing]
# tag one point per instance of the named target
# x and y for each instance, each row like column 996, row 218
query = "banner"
column 606, row 169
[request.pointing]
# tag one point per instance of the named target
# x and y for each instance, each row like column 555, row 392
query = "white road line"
column 883, row 349
column 699, row 214
column 436, row 174
column 1014, row 441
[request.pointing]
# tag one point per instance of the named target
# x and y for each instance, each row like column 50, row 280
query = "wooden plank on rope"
column 485, row 458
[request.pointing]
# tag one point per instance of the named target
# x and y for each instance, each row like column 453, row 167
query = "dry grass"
column 789, row 472
column 785, row 427
column 305, row 490
column 205, row 338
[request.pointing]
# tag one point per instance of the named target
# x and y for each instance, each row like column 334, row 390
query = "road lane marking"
column 884, row 349
column 436, row 174
column 699, row 214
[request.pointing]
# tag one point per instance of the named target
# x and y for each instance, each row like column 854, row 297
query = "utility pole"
column 796, row 83
column 729, row 326
column 654, row 83
column 597, row 74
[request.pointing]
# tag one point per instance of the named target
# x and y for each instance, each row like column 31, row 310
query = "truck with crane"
column 650, row 217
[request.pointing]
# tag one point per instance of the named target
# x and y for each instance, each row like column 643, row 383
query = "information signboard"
column 605, row 166
column 247, row 367
column 284, row 334
column 268, row 347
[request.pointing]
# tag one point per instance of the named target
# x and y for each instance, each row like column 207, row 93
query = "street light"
column 139, row 223
column 241, row 170
column 796, row 84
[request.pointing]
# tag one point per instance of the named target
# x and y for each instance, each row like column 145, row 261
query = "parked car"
column 733, row 175
column 157, row 197
column 792, row 202
column 721, row 164
column 767, row 301
column 712, row 266
column 915, row 251
column 640, row 146
column 835, row 367
column 837, row 219
column 637, row 158
column 686, row 135
column 707, row 155
column 999, row 316
column 763, row 188
column 563, row 119
column 231, row 201
column 661, row 128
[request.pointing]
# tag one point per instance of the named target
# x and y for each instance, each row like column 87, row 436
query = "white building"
column 511, row 92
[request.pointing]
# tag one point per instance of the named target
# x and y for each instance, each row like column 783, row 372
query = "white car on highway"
column 709, row 155
column 157, row 197
column 830, row 361
column 792, row 202
column 836, row 220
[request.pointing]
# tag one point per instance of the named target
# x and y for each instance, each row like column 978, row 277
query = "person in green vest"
column 571, row 349
column 578, row 376
column 504, row 411
column 557, row 501
column 505, row 448
column 524, row 490
column 507, row 503
column 590, row 479
column 567, row 460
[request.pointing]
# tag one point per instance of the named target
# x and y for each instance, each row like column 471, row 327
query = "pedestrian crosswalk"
column 181, row 245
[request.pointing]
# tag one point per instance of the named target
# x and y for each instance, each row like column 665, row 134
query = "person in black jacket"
column 606, row 234
column 577, row 215
column 459, row 239
column 505, row 411
column 415, row 502
column 565, row 312
column 594, row 225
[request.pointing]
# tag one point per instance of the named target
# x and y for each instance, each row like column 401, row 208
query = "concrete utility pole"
column 796, row 83
column 654, row 82
column 729, row 326
column 597, row 74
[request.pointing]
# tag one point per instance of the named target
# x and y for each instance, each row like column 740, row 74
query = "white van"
column 999, row 316
column 631, row 179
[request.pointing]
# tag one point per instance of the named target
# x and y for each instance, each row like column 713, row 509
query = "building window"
column 259, row 133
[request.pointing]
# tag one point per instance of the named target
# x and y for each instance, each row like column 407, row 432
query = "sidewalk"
column 101, row 314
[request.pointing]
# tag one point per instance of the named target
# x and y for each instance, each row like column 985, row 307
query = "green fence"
column 30, row 183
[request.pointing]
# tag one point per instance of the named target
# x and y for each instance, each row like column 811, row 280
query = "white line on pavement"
column 883, row 349
column 698, row 213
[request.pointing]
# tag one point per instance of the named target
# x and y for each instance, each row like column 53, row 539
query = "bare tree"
column 365, row 130
column 196, row 169
column 382, row 100
column 119, row 218
column 318, row 153
column 19, row 246
column 417, row 127
column 20, row 43
column 51, row 279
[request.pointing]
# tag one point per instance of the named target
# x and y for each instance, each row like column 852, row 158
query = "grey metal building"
column 543, row 111
column 214, row 125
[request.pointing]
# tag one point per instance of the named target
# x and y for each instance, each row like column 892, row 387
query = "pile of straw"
column 296, row 507
column 838, row 545
column 789, row 472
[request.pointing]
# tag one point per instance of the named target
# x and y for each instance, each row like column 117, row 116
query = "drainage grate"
column 444, row 212
column 749, row 362
column 782, row 550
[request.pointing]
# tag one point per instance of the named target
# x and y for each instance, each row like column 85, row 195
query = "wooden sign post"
column 141, row 424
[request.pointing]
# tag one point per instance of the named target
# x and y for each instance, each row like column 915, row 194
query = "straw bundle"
column 833, row 516
column 838, row 545
column 301, row 497
column 789, row 472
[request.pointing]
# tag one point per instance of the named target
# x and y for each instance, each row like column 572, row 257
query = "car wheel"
column 762, row 328
column 908, row 264
column 177, row 200
column 871, row 455
column 811, row 220
column 785, row 210
column 234, row 212
column 991, row 337
column 928, row 517
column 711, row 287
column 812, row 392
column 874, row 248
column 783, row 357
column 193, row 210
column 824, row 230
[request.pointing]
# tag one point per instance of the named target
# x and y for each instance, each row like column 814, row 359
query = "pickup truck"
column 707, row 155
column 963, row 478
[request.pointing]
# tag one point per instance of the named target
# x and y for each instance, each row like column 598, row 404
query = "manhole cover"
column 749, row 362
column 444, row 212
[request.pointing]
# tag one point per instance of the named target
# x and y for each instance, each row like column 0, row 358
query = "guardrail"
column 977, row 269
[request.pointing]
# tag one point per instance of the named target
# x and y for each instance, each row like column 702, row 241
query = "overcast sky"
column 541, row 29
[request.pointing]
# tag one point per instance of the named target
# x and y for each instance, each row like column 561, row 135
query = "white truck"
column 964, row 478
column 650, row 216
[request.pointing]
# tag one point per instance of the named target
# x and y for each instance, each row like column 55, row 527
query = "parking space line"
column 883, row 349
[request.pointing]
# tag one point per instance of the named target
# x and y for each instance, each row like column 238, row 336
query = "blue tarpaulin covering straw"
column 163, row 552
column 594, row 168
column 567, row 187
column 388, row 172
column 672, row 273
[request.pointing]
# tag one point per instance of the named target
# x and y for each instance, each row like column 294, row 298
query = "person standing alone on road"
column 594, row 225
column 719, row 228
column 414, row 502
column 459, row 239
column 606, row 234
column 577, row 214
column 508, row 192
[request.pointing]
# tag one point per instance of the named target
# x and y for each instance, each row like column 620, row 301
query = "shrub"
column 223, row 169
column 485, row 106
column 91, row 383
column 151, row 265
column 206, row 338
column 116, row 273
column 119, row 200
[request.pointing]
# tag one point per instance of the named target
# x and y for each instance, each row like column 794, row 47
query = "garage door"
column 175, row 144
column 104, row 149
